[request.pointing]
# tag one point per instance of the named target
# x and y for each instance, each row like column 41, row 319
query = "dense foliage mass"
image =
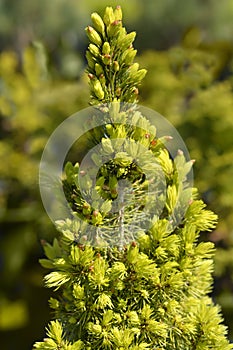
column 192, row 85
column 149, row 291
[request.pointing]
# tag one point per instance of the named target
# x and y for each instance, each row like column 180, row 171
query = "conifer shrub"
column 125, row 278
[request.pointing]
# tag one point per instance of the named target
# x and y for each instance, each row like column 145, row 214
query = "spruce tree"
column 129, row 266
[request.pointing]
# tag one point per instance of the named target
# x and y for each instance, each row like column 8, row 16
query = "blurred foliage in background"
column 186, row 47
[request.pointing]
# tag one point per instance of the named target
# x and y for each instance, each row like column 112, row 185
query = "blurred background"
column 187, row 47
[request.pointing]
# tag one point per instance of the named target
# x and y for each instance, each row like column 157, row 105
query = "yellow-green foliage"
column 117, row 290
column 32, row 104
column 191, row 86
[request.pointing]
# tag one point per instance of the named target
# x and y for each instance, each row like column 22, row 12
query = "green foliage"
column 56, row 341
column 46, row 99
column 199, row 104
column 32, row 103
column 149, row 292
column 153, row 292
column 110, row 55
column 192, row 86
column 29, row 101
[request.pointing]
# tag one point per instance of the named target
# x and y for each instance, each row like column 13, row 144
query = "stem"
column 121, row 215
